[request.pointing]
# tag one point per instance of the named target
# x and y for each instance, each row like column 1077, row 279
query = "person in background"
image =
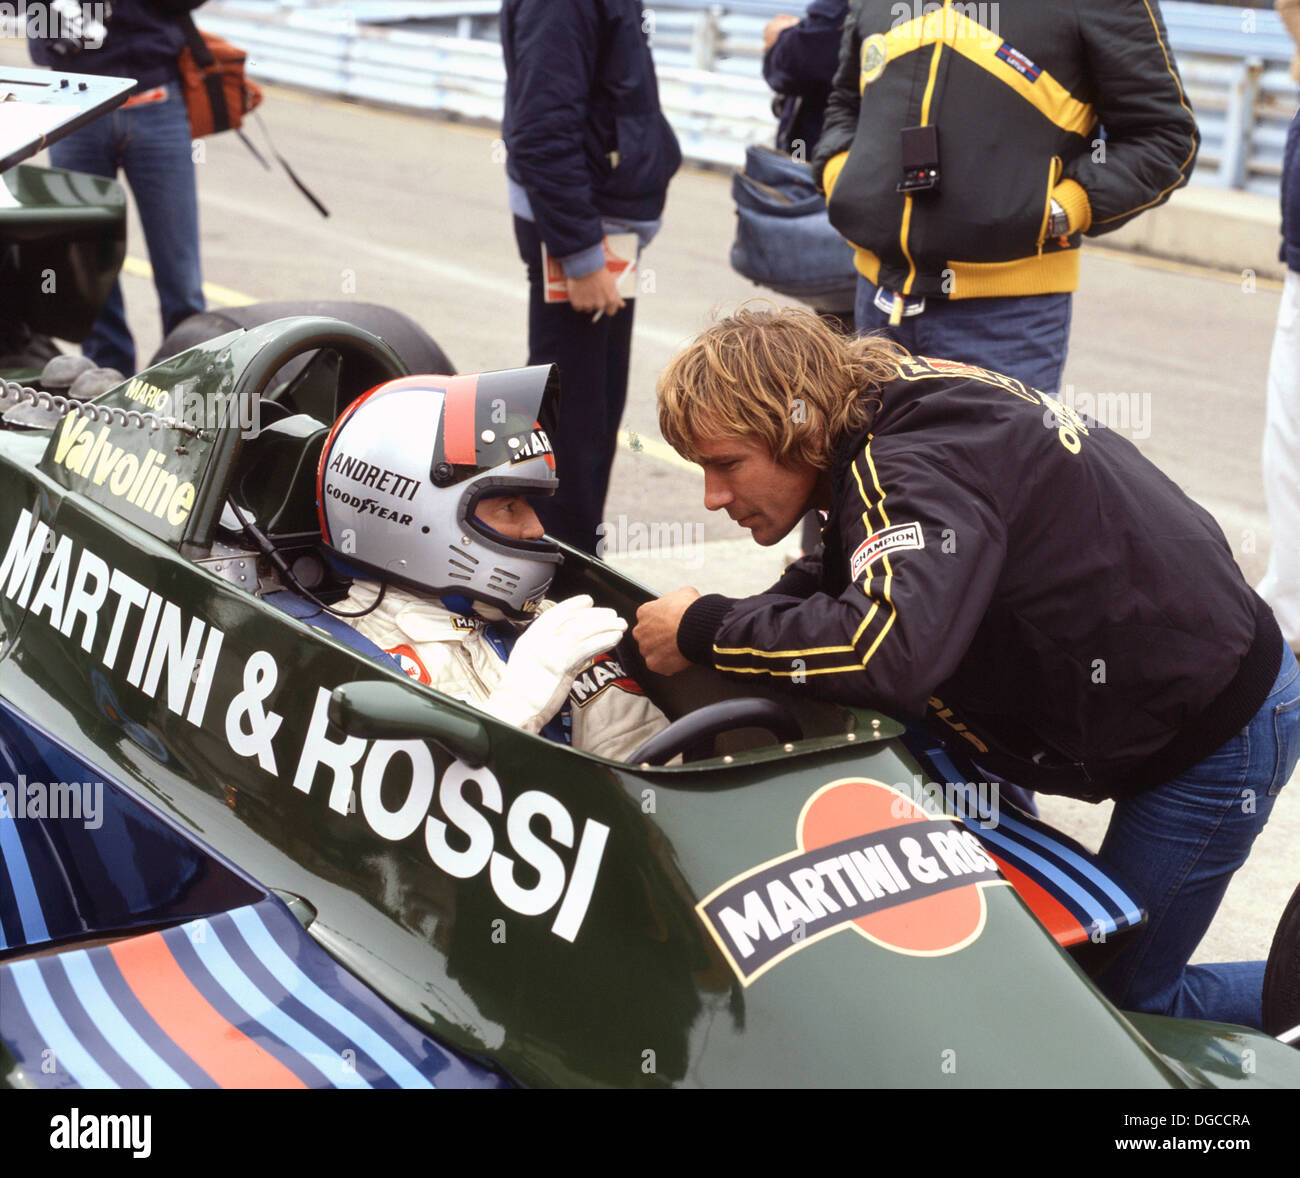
column 1289, row 11
column 979, row 577
column 148, row 139
column 1281, row 458
column 799, row 59
column 590, row 154
column 965, row 162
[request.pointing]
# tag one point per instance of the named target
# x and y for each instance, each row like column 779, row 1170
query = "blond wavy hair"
column 780, row 375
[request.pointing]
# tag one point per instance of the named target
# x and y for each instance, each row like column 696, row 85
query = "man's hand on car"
column 656, row 631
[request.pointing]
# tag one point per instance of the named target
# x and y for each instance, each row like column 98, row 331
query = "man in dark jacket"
column 963, row 154
column 1281, row 465
column 149, row 139
column 1014, row 577
column 799, row 59
column 590, row 154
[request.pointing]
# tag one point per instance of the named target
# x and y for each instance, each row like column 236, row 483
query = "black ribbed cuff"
column 699, row 624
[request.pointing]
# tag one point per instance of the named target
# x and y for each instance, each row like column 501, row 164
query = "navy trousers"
column 593, row 361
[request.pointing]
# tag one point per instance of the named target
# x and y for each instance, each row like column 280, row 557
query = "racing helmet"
column 404, row 468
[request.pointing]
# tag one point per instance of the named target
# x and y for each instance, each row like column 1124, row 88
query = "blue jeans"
column 1178, row 845
column 151, row 144
column 1025, row 337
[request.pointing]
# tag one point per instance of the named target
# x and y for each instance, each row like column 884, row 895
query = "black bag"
column 784, row 237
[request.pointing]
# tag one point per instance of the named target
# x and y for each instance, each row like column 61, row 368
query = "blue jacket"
column 800, row 67
column 142, row 41
column 582, row 121
column 1290, row 251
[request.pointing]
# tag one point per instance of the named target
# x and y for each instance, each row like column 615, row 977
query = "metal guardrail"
column 715, row 114
column 442, row 55
column 1234, row 63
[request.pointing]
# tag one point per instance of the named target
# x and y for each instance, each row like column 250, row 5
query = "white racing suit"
column 461, row 656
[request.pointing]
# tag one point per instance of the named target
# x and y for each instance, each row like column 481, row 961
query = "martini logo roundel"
column 870, row 861
column 411, row 664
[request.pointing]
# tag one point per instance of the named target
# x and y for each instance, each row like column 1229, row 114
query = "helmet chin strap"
column 458, row 603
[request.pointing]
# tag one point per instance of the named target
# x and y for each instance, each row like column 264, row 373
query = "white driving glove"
column 547, row 658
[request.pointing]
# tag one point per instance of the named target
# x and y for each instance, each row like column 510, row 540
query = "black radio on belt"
column 920, row 159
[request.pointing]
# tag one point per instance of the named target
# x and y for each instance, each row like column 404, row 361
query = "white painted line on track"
column 450, row 273
column 1235, row 521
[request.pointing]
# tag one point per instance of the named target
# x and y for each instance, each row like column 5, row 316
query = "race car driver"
column 422, row 489
column 1014, row 577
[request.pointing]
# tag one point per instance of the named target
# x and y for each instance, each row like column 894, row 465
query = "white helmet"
column 403, row 470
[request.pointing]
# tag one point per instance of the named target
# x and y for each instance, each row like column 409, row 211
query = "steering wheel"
column 687, row 733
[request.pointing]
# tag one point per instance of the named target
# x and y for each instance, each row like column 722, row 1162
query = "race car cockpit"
column 214, row 452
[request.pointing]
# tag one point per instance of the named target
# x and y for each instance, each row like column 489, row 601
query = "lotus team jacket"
column 1020, row 579
column 1032, row 99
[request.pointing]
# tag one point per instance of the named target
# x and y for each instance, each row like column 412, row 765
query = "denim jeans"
column 1025, row 337
column 1178, row 845
column 151, row 144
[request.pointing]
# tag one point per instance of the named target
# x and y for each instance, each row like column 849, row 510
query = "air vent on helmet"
column 461, row 564
column 504, row 581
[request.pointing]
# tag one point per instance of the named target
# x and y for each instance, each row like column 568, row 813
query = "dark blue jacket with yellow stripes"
column 1017, row 577
column 1019, row 92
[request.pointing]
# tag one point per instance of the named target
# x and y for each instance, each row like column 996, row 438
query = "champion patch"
column 1018, row 62
column 869, row 860
column 411, row 664
column 886, row 540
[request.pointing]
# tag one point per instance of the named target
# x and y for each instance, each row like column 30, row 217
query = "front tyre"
column 1282, row 976
column 413, row 345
